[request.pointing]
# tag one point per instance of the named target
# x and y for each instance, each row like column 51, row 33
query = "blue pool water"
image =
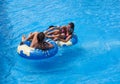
column 95, row 59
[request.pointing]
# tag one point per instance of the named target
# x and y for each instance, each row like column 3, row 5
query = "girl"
column 38, row 41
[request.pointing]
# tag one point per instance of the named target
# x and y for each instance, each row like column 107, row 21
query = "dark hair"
column 43, row 45
column 71, row 31
column 41, row 37
column 72, row 25
column 51, row 26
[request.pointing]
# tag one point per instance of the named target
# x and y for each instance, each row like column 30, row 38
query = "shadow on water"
column 64, row 58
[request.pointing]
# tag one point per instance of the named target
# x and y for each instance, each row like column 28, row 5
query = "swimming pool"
column 93, row 60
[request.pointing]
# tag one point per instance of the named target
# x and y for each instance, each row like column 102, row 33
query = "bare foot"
column 23, row 38
column 45, row 32
column 30, row 34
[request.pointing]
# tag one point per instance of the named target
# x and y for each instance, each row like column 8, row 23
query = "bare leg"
column 47, row 31
column 34, row 40
column 55, row 39
column 53, row 32
column 30, row 34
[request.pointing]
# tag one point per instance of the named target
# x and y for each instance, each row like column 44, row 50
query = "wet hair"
column 41, row 37
column 43, row 45
column 72, row 25
column 70, row 31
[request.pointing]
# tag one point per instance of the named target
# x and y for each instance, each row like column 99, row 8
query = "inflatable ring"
column 72, row 41
column 26, row 51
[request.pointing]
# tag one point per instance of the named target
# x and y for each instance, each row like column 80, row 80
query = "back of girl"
column 41, row 42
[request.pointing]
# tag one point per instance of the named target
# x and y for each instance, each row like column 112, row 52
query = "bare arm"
column 67, row 39
column 52, row 36
column 50, row 32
